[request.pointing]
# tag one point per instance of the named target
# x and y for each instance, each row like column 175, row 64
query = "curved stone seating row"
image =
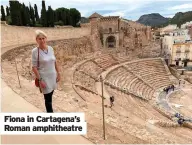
column 88, row 95
column 123, row 79
column 84, row 80
column 123, row 90
column 105, row 61
column 151, row 71
column 163, row 111
column 137, row 106
column 91, row 68
column 171, row 117
column 123, row 100
column 166, row 124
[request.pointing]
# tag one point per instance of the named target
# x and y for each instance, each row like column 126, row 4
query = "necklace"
column 45, row 51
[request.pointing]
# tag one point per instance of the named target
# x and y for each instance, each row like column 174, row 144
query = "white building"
column 167, row 29
column 184, row 26
column 171, row 38
column 180, row 35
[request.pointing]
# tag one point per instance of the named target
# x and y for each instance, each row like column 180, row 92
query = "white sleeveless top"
column 46, row 68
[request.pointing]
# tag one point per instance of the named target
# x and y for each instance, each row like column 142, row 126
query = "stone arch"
column 111, row 42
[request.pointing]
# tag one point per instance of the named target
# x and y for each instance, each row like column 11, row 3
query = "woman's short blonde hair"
column 39, row 32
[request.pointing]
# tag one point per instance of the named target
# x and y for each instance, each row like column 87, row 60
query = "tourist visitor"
column 173, row 87
column 112, row 99
column 167, row 90
column 179, row 82
column 184, row 83
column 45, row 68
column 181, row 121
column 177, row 115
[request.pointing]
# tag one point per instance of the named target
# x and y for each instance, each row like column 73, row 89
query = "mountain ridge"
column 157, row 20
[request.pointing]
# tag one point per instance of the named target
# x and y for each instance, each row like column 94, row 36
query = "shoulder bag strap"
column 38, row 60
column 38, row 68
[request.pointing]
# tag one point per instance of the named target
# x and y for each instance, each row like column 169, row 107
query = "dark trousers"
column 48, row 102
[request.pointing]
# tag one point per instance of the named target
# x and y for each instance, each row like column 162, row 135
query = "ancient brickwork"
column 107, row 23
column 69, row 49
column 118, row 33
column 85, row 25
column 17, row 35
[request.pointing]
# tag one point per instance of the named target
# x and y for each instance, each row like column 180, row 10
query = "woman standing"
column 46, row 70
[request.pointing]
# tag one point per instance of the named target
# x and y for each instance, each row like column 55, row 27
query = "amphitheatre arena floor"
column 130, row 120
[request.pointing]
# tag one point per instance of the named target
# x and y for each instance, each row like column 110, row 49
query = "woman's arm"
column 57, row 67
column 36, row 72
column 58, row 71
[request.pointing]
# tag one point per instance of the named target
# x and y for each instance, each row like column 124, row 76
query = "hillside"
column 181, row 18
column 84, row 20
column 153, row 19
column 156, row 20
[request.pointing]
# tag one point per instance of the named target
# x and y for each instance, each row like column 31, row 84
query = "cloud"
column 180, row 7
column 117, row 13
column 169, row 16
column 129, row 9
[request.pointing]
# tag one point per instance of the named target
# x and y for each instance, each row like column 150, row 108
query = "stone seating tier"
column 124, row 79
column 84, row 80
column 91, row 68
column 105, row 61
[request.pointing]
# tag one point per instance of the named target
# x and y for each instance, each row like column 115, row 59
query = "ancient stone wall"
column 69, row 49
column 108, row 23
column 94, row 25
column 17, row 35
column 85, row 25
column 190, row 32
column 95, row 34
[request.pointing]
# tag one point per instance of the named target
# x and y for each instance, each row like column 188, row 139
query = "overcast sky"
column 129, row 9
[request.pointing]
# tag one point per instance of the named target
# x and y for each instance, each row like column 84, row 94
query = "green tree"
column 68, row 17
column 75, row 16
column 23, row 15
column 36, row 13
column 32, row 15
column 55, row 16
column 62, row 14
column 7, row 11
column 50, row 17
column 15, row 8
column 2, row 13
column 43, row 15
column 27, row 15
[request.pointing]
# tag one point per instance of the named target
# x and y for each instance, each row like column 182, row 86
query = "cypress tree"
column 50, row 17
column 36, row 13
column 2, row 13
column 55, row 16
column 43, row 15
column 27, row 15
column 15, row 8
column 7, row 11
column 23, row 15
column 68, row 17
column 32, row 15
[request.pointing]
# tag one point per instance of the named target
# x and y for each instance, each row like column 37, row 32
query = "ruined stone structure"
column 142, row 110
column 118, row 33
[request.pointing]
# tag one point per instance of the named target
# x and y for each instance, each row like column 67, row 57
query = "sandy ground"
column 127, row 122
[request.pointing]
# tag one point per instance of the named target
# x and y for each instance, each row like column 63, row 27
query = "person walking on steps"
column 45, row 68
column 179, row 82
column 112, row 99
